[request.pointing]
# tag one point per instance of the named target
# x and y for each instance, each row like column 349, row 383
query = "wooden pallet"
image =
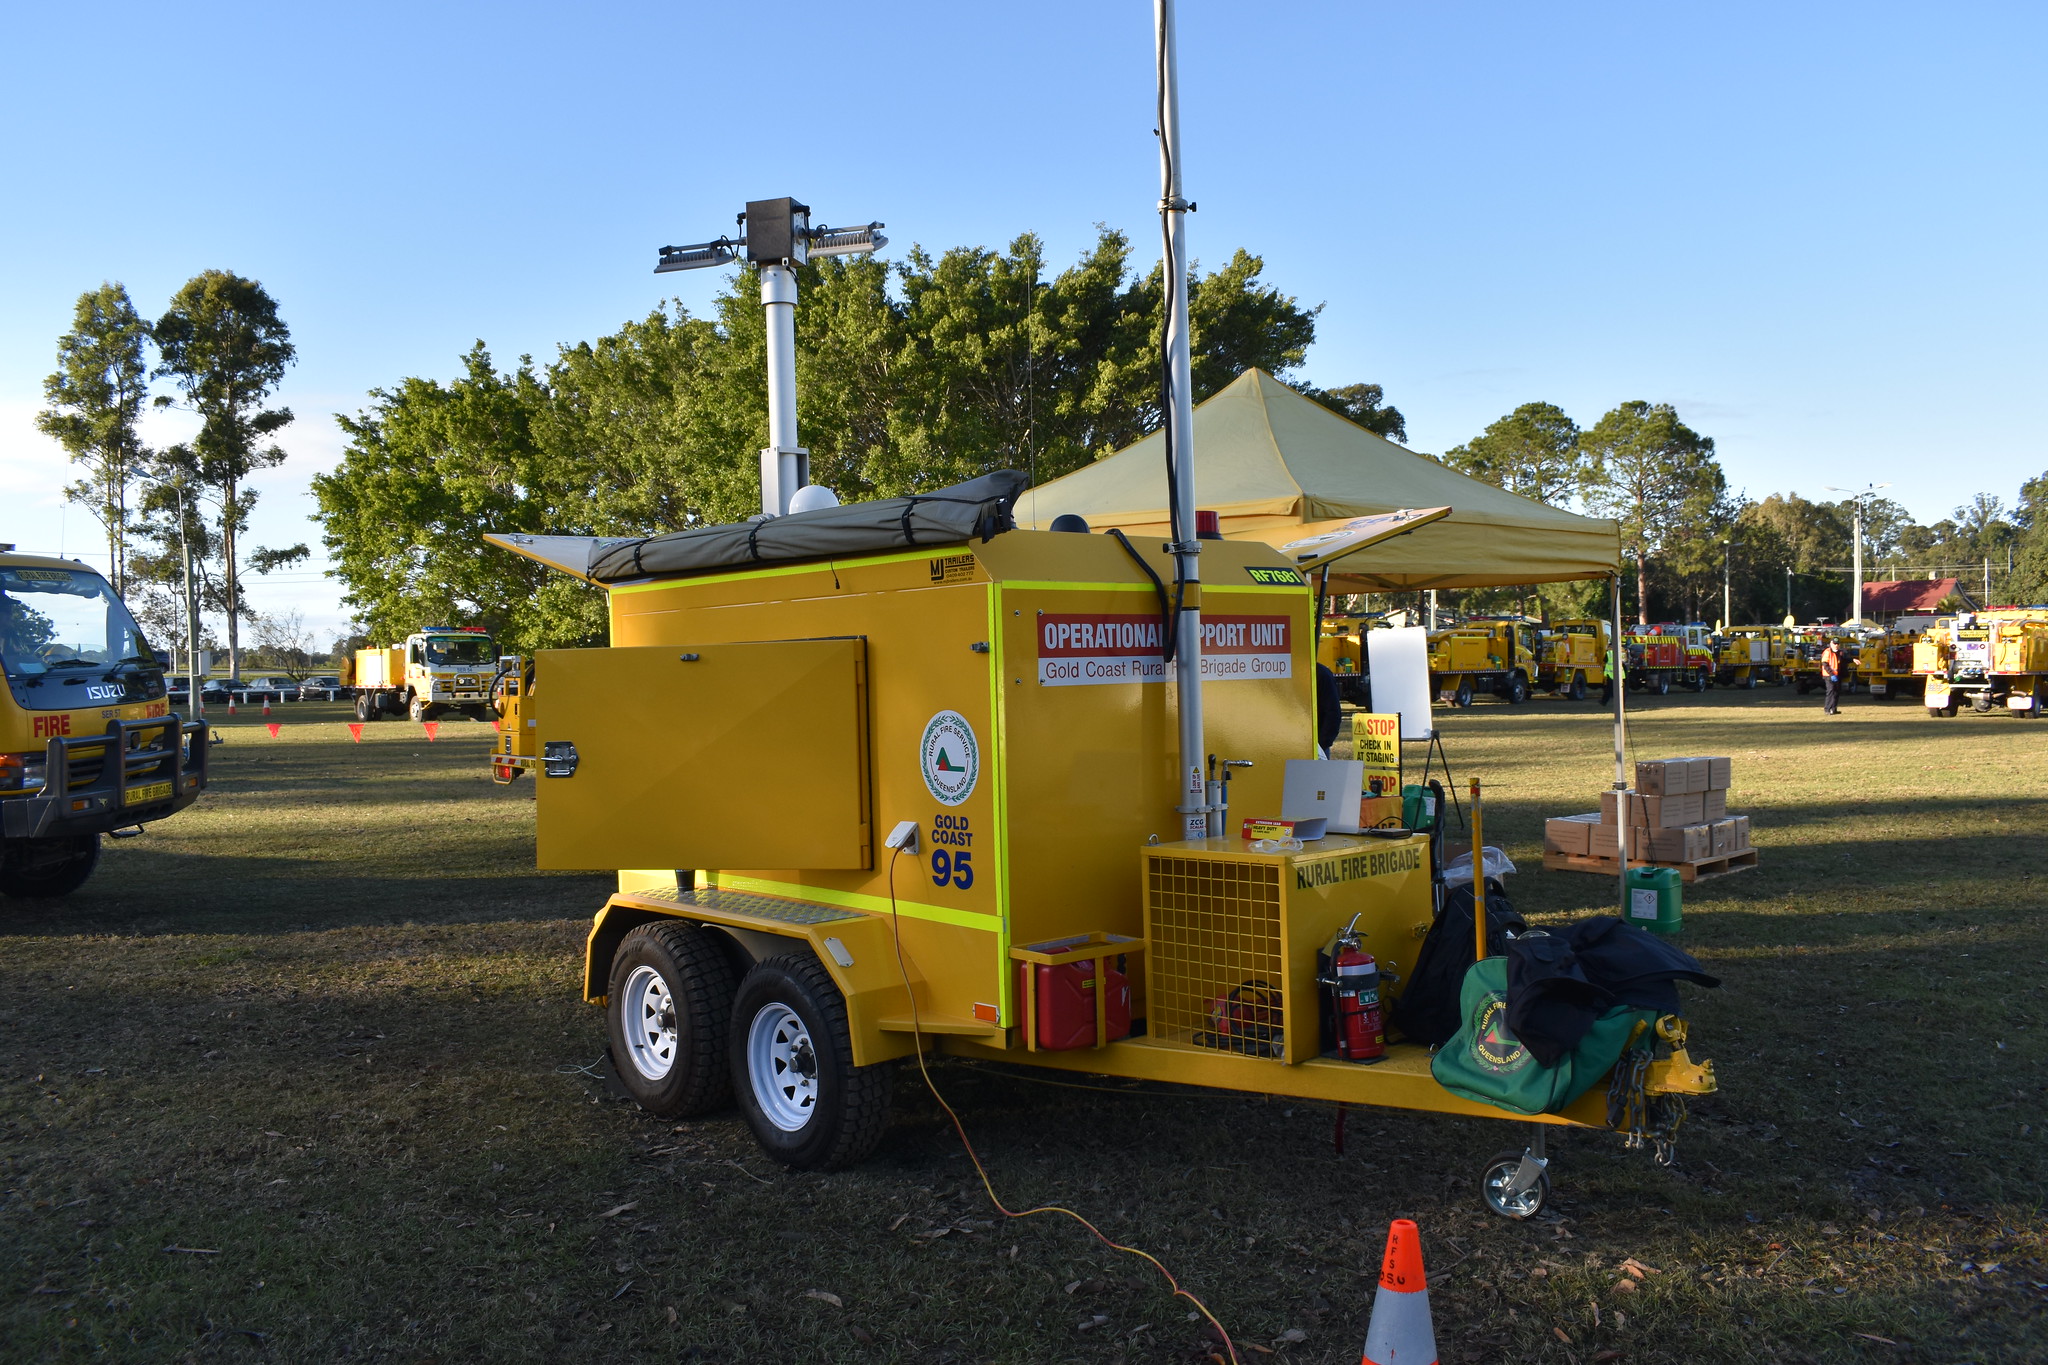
column 1700, row 869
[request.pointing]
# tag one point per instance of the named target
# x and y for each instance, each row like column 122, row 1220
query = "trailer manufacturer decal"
column 952, row 569
column 1082, row 649
column 950, row 758
column 1351, row 867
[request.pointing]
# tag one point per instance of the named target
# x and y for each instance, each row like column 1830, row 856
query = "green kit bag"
column 1484, row 1060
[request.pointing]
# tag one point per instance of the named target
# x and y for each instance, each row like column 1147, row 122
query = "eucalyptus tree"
column 226, row 348
column 95, row 403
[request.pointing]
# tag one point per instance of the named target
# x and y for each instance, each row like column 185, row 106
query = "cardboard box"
column 1684, row 845
column 1666, row 812
column 1714, row 805
column 1605, row 840
column 1697, row 773
column 1723, row 834
column 1663, row 776
column 1741, row 833
column 1570, row 833
column 1721, row 771
column 1611, row 806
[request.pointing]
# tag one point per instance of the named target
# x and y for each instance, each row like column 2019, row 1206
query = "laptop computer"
column 1323, row 788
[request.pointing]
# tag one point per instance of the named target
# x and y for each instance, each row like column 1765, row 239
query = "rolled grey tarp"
column 980, row 508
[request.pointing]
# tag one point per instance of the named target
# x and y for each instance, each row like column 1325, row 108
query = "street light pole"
column 1857, row 497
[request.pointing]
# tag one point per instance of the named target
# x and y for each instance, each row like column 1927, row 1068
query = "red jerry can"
column 1066, row 1004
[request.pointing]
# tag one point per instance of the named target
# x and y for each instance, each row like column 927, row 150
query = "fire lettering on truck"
column 1079, row 649
column 1351, row 867
column 48, row 726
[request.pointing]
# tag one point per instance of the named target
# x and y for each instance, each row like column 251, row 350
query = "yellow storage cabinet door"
column 706, row 756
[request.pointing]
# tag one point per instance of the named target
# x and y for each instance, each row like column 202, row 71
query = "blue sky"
column 1817, row 229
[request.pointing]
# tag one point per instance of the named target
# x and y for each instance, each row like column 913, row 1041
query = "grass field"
column 298, row 1077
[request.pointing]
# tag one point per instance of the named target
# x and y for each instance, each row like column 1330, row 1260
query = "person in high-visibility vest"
column 1831, row 677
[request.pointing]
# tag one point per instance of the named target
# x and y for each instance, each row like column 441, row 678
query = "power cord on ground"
column 917, row 1038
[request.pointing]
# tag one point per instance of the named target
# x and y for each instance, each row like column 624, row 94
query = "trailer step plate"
column 745, row 903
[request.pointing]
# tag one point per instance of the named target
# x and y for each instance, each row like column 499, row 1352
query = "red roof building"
column 1913, row 595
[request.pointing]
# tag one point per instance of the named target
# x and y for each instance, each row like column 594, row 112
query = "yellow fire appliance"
column 89, row 744
column 1574, row 657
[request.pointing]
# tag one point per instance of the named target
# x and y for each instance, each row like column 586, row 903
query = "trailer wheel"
column 1495, row 1180
column 47, row 868
column 1463, row 696
column 792, row 1068
column 669, row 1011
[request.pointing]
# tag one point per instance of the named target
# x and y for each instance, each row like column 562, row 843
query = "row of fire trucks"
column 1980, row 659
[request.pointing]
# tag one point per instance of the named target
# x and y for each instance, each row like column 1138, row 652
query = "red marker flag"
column 355, row 732
column 432, row 727
column 272, row 727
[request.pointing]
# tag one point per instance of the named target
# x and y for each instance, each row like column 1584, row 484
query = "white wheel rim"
column 647, row 1012
column 783, row 1067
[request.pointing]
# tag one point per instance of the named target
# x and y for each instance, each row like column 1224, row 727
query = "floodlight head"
column 847, row 241
column 698, row 257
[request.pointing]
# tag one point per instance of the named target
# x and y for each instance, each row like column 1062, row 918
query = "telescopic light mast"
column 778, row 238
column 1199, row 819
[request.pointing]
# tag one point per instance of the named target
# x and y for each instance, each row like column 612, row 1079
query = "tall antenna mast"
column 778, row 238
column 1198, row 819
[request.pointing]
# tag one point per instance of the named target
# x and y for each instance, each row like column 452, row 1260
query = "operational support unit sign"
column 1080, row 649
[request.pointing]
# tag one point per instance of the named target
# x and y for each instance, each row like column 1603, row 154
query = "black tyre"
column 1802, row 687
column 1937, row 711
column 1981, row 703
column 792, row 1068
column 474, row 712
column 669, row 1012
column 422, row 709
column 1577, row 691
column 1700, row 681
column 1663, row 688
column 1949, row 710
column 1750, row 683
column 1607, row 695
column 1493, row 1188
column 44, row 868
column 1517, row 690
column 364, row 711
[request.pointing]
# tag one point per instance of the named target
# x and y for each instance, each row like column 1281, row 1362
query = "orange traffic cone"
column 1400, row 1332
column 266, row 706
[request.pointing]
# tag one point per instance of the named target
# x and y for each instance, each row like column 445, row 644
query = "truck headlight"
column 21, row 772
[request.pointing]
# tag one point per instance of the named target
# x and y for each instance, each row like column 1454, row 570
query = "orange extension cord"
column 917, row 1036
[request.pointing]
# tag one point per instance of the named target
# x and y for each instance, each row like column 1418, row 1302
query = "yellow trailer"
column 1751, row 655
column 900, row 795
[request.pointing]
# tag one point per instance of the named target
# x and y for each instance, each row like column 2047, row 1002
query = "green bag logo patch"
column 1494, row 1045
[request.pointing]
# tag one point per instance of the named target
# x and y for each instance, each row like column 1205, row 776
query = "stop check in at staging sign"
column 1080, row 649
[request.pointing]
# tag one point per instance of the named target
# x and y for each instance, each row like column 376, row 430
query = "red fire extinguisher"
column 1355, row 999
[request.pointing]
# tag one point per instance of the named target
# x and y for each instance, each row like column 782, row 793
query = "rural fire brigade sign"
column 1081, row 649
column 950, row 758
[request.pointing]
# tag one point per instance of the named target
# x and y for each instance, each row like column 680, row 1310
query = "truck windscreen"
column 62, row 624
column 460, row 649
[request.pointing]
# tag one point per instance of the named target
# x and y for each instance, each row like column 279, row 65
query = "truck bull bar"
column 164, row 765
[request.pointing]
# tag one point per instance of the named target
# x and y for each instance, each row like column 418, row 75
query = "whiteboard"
column 1398, row 660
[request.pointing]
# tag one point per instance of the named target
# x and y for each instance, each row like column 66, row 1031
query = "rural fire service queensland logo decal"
column 1493, row 1045
column 950, row 758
